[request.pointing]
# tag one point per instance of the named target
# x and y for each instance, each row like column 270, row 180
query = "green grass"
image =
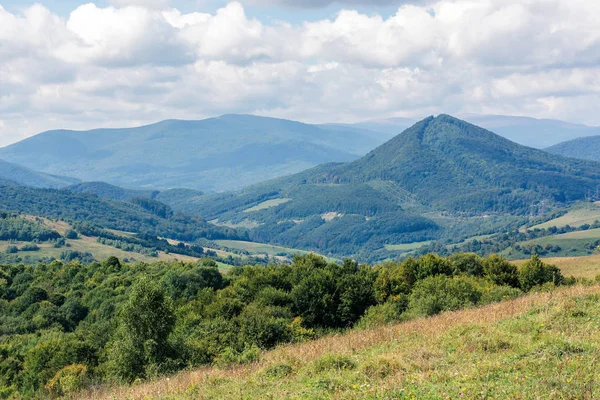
column 575, row 218
column 267, row 204
column 540, row 346
column 407, row 247
column 262, row 248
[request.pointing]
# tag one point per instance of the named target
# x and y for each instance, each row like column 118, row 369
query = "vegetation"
column 65, row 325
column 540, row 346
column 440, row 180
column 16, row 174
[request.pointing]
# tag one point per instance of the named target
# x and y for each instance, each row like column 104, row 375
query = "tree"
column 535, row 272
column 500, row 271
column 145, row 323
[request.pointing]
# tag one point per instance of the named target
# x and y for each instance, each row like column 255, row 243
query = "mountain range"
column 441, row 178
column 229, row 152
column 16, row 174
column 216, row 154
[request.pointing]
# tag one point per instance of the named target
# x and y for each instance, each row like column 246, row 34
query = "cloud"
column 128, row 64
column 325, row 3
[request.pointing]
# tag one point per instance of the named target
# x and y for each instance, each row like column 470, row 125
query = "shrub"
column 30, row 247
column 67, row 380
column 71, row 234
column 468, row 263
column 500, row 271
column 535, row 272
column 278, row 370
column 500, row 293
column 12, row 250
column 383, row 314
column 440, row 293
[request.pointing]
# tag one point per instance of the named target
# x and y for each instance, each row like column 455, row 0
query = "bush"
column 501, row 272
column 468, row 263
column 68, row 380
column 71, row 234
column 30, row 247
column 12, row 250
column 500, row 293
column 440, row 293
column 383, row 314
column 535, row 273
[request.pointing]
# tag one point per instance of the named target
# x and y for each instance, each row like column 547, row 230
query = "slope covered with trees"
column 13, row 173
column 586, row 148
column 67, row 326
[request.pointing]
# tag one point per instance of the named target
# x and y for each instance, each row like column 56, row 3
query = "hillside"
column 215, row 154
column 111, row 192
column 14, row 173
column 585, row 148
column 532, row 132
column 441, row 178
column 143, row 216
column 540, row 346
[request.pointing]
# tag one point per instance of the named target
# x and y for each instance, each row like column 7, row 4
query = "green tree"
column 535, row 272
column 500, row 271
column 146, row 321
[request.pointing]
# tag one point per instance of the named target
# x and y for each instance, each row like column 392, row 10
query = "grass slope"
column 541, row 346
column 574, row 218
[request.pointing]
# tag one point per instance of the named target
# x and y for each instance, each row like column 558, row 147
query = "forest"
column 66, row 326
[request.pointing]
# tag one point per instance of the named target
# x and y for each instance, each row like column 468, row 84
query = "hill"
column 585, row 148
column 215, row 154
column 111, row 192
column 13, row 173
column 539, row 346
column 142, row 216
column 532, row 132
column 441, row 178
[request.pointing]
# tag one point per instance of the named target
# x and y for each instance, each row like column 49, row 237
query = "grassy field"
column 407, row 247
column 262, row 248
column 579, row 267
column 575, row 218
column 540, row 346
column 267, row 204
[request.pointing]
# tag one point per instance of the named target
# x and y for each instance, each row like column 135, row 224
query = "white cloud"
column 132, row 63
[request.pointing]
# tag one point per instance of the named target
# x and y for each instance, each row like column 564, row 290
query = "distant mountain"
column 441, row 178
column 215, row 154
column 536, row 133
column 587, row 148
column 13, row 173
column 111, row 192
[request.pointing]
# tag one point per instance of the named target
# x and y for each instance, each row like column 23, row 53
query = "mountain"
column 13, row 173
column 215, row 154
column 111, row 192
column 142, row 216
column 441, row 178
column 537, row 133
column 586, row 148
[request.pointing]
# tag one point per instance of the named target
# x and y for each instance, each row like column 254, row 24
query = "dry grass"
column 466, row 352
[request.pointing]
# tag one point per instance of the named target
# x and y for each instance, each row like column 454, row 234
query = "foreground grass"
column 541, row 346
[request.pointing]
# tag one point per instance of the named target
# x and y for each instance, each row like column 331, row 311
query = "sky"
column 115, row 63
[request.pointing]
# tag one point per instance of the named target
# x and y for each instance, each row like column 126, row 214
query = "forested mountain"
column 586, row 148
column 140, row 215
column 111, row 192
column 223, row 153
column 441, row 177
column 14, row 173
column 532, row 132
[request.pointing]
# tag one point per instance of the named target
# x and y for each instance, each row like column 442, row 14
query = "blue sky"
column 264, row 13
column 76, row 65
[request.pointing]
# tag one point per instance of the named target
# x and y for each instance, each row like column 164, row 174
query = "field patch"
column 575, row 218
column 406, row 247
column 267, row 204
